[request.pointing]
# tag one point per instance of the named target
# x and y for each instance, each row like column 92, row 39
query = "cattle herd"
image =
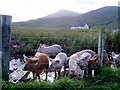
column 80, row 64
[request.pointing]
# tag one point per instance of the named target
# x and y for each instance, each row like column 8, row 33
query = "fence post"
column 0, row 52
column 119, row 16
column 5, row 29
column 101, row 47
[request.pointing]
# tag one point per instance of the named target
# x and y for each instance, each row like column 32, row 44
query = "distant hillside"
column 106, row 17
column 62, row 13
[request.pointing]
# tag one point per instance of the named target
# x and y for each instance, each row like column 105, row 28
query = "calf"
column 94, row 65
column 78, row 63
column 116, row 59
column 50, row 50
column 58, row 62
column 37, row 64
column 87, row 51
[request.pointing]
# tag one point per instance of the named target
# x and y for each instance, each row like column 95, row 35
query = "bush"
column 30, row 85
column 107, row 78
column 67, row 83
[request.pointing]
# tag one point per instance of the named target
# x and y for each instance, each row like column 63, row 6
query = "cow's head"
column 29, row 63
column 86, row 56
column 26, row 59
column 41, row 46
column 93, row 62
column 115, row 55
column 55, row 64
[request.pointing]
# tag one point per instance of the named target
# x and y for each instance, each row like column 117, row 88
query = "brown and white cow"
column 94, row 63
column 37, row 64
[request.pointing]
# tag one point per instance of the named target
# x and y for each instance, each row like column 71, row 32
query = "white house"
column 85, row 27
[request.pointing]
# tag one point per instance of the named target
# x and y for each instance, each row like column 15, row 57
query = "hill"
column 106, row 17
column 62, row 13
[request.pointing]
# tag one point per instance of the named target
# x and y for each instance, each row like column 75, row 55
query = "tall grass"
column 75, row 40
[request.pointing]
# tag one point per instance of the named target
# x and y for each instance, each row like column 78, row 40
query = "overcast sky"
column 22, row 10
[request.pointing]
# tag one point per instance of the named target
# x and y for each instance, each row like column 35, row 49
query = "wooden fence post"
column 0, row 52
column 101, row 47
column 119, row 16
column 5, row 25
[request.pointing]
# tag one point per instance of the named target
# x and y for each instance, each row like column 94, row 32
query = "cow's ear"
column 88, row 57
column 78, row 55
column 28, row 60
column 40, row 45
column 95, row 58
column 25, row 58
column 57, row 61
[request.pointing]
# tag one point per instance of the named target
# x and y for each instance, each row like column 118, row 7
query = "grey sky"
column 22, row 10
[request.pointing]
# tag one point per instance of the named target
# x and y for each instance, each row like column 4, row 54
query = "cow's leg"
column 93, row 73
column 58, row 74
column 89, row 72
column 64, row 74
column 85, row 73
column 38, row 76
column 34, row 76
column 55, row 74
column 46, row 72
column 97, row 69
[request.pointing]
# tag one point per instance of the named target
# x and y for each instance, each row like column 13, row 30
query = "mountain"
column 106, row 17
column 62, row 13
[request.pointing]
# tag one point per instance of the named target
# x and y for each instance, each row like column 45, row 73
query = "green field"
column 70, row 40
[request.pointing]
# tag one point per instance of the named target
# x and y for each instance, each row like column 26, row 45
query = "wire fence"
column 29, row 43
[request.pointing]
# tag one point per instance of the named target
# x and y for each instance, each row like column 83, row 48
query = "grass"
column 74, row 40
column 107, row 79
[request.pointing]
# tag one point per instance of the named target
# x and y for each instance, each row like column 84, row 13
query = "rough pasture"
column 28, row 40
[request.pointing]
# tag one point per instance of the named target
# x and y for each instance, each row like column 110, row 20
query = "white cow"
column 58, row 62
column 50, row 50
column 116, row 59
column 78, row 63
column 87, row 51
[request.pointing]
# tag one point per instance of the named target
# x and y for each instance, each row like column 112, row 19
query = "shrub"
column 67, row 83
column 107, row 78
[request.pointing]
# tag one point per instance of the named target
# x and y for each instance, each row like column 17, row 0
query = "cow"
column 94, row 64
column 58, row 63
column 116, row 59
column 50, row 50
column 77, row 63
column 88, row 51
column 37, row 64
